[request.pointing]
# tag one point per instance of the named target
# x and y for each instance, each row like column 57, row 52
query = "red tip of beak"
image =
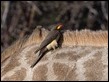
column 60, row 24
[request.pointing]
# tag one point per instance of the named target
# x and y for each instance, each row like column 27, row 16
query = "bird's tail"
column 41, row 54
column 37, row 60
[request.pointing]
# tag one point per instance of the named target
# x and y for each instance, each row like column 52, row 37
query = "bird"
column 51, row 41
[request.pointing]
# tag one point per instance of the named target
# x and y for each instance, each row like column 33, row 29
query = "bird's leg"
column 53, row 47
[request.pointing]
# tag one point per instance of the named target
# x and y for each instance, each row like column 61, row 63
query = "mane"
column 70, row 38
column 86, row 38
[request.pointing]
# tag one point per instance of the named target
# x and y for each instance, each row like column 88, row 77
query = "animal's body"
column 83, row 57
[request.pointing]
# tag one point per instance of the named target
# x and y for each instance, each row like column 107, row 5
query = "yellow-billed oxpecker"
column 51, row 41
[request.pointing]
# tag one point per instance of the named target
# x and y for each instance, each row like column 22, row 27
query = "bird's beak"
column 59, row 26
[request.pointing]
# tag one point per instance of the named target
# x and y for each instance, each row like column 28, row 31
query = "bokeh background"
column 20, row 18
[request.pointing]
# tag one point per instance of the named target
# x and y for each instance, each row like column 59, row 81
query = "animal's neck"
column 67, row 63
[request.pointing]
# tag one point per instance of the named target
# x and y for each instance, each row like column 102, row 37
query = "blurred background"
column 20, row 18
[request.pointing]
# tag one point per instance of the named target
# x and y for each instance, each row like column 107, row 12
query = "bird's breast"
column 51, row 45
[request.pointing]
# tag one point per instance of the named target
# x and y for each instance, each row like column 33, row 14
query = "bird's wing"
column 50, row 37
column 58, row 37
